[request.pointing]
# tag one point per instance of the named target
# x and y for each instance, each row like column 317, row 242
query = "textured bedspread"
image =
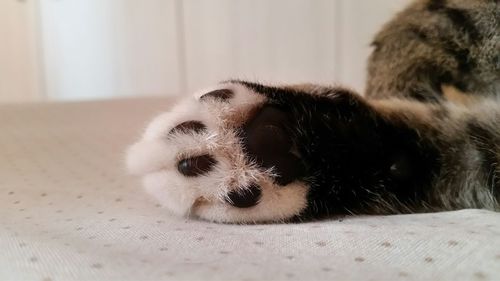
column 70, row 212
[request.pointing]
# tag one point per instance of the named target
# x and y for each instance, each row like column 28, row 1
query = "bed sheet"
column 69, row 211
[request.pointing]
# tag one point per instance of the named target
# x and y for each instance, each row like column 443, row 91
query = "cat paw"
column 224, row 155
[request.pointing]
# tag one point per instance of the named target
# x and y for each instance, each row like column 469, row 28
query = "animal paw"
column 224, row 155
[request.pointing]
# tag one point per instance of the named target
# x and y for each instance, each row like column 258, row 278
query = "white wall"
column 86, row 49
column 108, row 48
column 269, row 41
column 20, row 75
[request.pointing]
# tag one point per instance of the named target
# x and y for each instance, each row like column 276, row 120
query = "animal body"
column 424, row 137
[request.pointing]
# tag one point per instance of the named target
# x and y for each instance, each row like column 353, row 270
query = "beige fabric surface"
column 70, row 212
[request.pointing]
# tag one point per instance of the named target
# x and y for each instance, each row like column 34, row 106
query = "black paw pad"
column 189, row 126
column 287, row 166
column 267, row 141
column 195, row 166
column 222, row 94
column 245, row 198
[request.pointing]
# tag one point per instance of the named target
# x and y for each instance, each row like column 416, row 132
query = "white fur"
column 156, row 154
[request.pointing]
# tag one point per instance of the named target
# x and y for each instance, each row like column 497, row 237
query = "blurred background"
column 52, row 50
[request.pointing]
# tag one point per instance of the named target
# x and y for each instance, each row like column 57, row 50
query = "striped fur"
column 436, row 42
column 443, row 58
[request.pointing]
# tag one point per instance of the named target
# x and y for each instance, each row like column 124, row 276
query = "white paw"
column 193, row 161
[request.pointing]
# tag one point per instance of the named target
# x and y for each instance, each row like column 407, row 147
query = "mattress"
column 69, row 211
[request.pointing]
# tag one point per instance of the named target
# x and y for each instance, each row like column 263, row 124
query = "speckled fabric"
column 70, row 212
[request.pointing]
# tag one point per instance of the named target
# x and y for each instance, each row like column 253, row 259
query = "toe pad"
column 245, row 198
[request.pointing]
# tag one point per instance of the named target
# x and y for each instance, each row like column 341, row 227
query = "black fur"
column 352, row 156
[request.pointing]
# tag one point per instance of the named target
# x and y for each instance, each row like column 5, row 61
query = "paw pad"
column 195, row 166
column 269, row 144
column 185, row 127
column 227, row 154
column 221, row 94
column 245, row 198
